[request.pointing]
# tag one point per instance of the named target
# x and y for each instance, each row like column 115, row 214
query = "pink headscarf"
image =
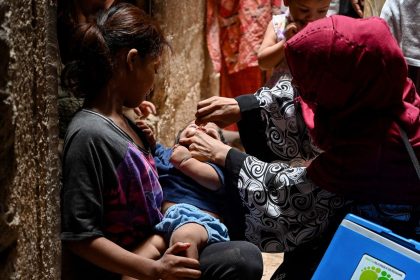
column 352, row 78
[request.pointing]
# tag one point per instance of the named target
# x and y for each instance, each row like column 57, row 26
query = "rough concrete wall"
column 186, row 74
column 8, row 235
column 29, row 187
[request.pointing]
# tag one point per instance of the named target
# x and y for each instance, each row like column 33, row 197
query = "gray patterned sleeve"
column 283, row 207
column 275, row 129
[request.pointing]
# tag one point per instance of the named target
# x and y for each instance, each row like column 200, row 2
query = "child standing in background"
column 282, row 28
column 403, row 18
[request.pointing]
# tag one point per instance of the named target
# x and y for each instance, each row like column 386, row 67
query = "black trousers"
column 239, row 260
column 232, row 260
column 414, row 75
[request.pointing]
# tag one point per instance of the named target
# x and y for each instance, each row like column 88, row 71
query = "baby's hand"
column 290, row 30
column 148, row 131
column 145, row 109
column 293, row 27
column 179, row 155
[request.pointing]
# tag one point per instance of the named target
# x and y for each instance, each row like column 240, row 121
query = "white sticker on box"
column 370, row 268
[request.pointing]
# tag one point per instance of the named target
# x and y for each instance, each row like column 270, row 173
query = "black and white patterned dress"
column 283, row 208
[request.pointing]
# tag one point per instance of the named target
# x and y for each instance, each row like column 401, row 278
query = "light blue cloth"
column 182, row 213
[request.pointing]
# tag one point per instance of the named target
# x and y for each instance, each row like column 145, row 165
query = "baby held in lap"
column 192, row 194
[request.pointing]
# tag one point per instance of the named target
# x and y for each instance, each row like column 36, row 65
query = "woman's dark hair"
column 122, row 26
column 67, row 21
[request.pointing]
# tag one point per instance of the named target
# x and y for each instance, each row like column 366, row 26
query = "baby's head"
column 210, row 129
column 305, row 11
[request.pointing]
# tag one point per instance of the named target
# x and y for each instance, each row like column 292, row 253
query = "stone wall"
column 8, row 234
column 29, row 177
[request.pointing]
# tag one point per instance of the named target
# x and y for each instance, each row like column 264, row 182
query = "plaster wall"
column 186, row 75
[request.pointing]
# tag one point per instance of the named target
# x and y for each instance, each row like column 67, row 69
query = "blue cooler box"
column 362, row 250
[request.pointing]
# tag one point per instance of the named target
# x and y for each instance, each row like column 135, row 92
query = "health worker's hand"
column 222, row 111
column 205, row 148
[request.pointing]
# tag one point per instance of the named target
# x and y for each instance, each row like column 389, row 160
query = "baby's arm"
column 148, row 132
column 271, row 52
column 200, row 172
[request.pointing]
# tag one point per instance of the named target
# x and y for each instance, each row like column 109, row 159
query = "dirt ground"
column 271, row 262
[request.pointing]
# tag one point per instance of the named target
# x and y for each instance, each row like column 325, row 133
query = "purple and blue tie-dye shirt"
column 110, row 185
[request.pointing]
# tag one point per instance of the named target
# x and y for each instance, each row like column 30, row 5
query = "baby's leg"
column 151, row 248
column 192, row 233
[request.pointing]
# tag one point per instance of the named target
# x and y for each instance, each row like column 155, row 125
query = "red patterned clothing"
column 235, row 30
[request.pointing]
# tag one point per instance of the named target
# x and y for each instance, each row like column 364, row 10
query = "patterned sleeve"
column 283, row 208
column 272, row 128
